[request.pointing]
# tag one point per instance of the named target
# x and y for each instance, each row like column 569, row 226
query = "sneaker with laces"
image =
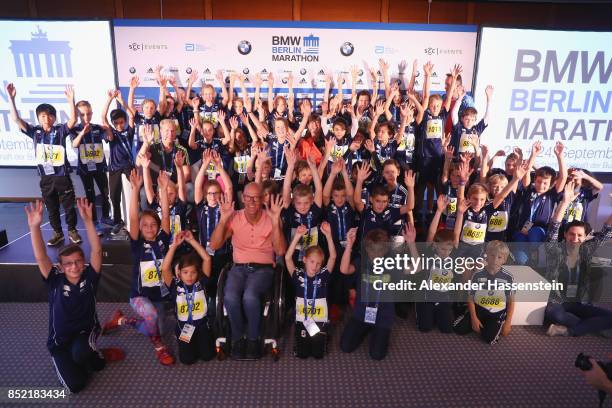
column 114, row 322
column 557, row 330
column 117, row 228
column 56, row 239
column 74, row 236
column 253, row 350
column 112, row 354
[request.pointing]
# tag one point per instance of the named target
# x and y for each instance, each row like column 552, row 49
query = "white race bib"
column 434, row 129
column 473, row 232
column 148, row 274
column 498, row 222
column 91, row 153
column 53, row 154
column 200, row 306
column 320, row 310
column 492, row 300
column 465, row 145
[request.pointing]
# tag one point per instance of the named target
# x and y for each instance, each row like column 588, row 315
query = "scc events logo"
column 134, row 46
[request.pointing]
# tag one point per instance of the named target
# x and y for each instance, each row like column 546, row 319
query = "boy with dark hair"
column 52, row 163
column 72, row 285
column 122, row 161
column 468, row 125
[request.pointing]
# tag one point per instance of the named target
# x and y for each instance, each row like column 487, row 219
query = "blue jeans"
column 579, row 318
column 535, row 234
column 244, row 290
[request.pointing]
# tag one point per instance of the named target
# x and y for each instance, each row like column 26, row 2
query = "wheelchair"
column 274, row 312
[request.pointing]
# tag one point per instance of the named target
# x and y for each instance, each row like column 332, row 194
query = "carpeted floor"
column 527, row 369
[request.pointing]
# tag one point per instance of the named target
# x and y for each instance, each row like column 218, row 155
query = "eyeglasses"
column 213, row 193
column 250, row 198
column 76, row 263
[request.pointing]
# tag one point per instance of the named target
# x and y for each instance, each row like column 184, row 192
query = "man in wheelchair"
column 257, row 238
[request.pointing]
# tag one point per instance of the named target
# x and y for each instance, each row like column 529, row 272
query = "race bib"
column 319, row 314
column 473, row 232
column 141, row 132
column 465, row 145
column 175, row 223
column 498, row 221
column 91, row 153
column 200, row 306
column 148, row 274
column 451, row 207
column 337, row 152
column 434, row 128
column 406, row 143
column 53, row 154
column 307, row 240
column 441, row 276
column 492, row 300
column 575, row 212
column 211, row 171
column 240, row 164
column 212, row 117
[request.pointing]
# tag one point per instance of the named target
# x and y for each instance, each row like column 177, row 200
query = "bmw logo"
column 284, row 80
column 132, row 70
column 347, row 49
column 188, row 70
column 244, row 47
column 245, row 71
column 303, row 71
column 360, row 72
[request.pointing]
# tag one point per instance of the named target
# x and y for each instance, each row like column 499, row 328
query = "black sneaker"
column 56, row 239
column 238, row 349
column 117, row 228
column 74, row 236
column 253, row 350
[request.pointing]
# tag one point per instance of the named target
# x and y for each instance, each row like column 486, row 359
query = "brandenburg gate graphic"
column 30, row 54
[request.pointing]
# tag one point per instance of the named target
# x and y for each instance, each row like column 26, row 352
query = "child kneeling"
column 311, row 317
column 195, row 338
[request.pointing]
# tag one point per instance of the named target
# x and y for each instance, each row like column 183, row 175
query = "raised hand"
column 446, row 139
column 369, row 145
column 11, row 91
column 85, row 209
column 569, row 194
column 163, row 179
column 351, row 237
column 536, row 149
column 216, row 159
column 409, row 178
column 442, row 202
column 69, row 92
column 219, row 77
column 521, row 170
column 428, row 68
column 380, row 108
column 188, row 236
column 449, row 152
column 145, row 159
column 457, row 70
column 135, row 180
column 500, row 153
column 300, row 231
column 409, row 233
column 463, row 206
column 326, row 228
column 337, row 166
column 234, row 122
column 221, row 115
column 384, row 66
column 402, row 66
column 559, row 149
column 34, row 212
column 363, row 171
column 178, row 239
column 179, row 159
column 489, row 91
column 193, row 77
column 134, row 82
column 276, row 206
column 464, row 171
column 226, row 206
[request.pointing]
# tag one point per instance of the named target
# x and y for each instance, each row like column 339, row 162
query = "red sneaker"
column 112, row 354
column 164, row 356
column 113, row 323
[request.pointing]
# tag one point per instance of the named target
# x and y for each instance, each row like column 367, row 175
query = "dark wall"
column 520, row 14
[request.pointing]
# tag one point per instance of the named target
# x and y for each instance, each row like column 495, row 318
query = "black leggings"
column 491, row 324
column 88, row 184
column 115, row 189
column 201, row 346
column 56, row 190
column 354, row 333
column 75, row 360
column 429, row 313
column 306, row 346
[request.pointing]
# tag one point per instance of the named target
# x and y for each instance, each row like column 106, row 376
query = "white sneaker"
column 557, row 330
